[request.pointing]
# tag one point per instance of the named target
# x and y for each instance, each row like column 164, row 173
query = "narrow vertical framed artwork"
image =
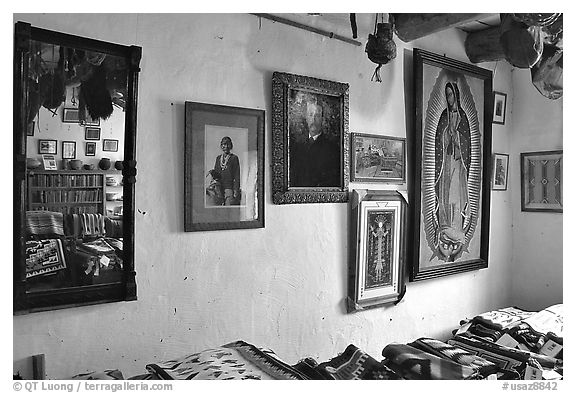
column 378, row 249
column 541, row 181
column 310, row 140
column 499, row 115
column 90, row 148
column 223, row 167
column 500, row 172
column 68, row 150
column 451, row 154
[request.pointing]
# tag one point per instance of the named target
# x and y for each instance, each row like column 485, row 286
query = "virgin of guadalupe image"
column 451, row 191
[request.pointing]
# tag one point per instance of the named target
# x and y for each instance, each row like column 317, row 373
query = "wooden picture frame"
column 223, row 167
column 306, row 171
column 49, row 162
column 541, row 181
column 377, row 159
column 500, row 172
column 70, row 115
column 499, row 114
column 90, row 149
column 92, row 133
column 378, row 249
column 30, row 128
column 68, row 150
column 451, row 155
column 47, row 146
column 110, row 145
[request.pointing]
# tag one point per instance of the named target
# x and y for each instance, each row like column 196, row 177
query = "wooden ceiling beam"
column 410, row 27
column 484, row 45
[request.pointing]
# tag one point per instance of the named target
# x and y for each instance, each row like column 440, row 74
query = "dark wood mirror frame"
column 24, row 301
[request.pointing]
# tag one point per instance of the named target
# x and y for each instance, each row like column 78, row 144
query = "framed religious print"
column 499, row 115
column 541, row 181
column 378, row 249
column 450, row 197
column 223, row 167
column 376, row 158
column 500, row 172
column 310, row 140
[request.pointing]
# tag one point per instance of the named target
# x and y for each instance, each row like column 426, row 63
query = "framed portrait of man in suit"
column 310, row 140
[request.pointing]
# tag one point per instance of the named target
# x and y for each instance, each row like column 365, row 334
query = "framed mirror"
column 73, row 194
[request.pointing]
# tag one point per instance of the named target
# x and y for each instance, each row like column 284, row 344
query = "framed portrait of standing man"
column 451, row 160
column 309, row 139
column 223, row 167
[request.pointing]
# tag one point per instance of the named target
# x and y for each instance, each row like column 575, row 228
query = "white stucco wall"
column 283, row 286
column 537, row 237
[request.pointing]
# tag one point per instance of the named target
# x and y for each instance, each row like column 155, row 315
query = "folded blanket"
column 236, row 360
column 458, row 355
column 551, row 319
column 354, row 363
column 503, row 318
column 413, row 363
column 93, row 224
column 44, row 223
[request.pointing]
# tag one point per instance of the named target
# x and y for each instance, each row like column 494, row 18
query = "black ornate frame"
column 24, row 301
column 416, row 192
column 282, row 193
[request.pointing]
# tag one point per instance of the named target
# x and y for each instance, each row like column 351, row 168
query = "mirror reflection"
column 73, row 225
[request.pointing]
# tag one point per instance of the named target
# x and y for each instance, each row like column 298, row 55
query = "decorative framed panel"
column 223, row 167
column 450, row 197
column 378, row 252
column 310, row 142
column 541, row 181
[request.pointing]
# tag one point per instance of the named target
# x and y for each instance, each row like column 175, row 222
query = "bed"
column 504, row 344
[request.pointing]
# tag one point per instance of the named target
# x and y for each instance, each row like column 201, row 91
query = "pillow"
column 236, row 360
column 353, row 363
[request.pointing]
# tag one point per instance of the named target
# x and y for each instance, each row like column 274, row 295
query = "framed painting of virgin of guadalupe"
column 450, row 157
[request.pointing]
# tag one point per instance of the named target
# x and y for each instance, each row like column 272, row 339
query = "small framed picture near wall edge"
column 499, row 114
column 500, row 172
column 110, row 145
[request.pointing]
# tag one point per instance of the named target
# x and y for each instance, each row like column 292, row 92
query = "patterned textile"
column 524, row 334
column 44, row 223
column 92, row 224
column 104, row 375
column 502, row 318
column 413, row 363
column 458, row 355
column 551, row 319
column 353, row 363
column 236, row 360
column 309, row 367
column 43, row 257
column 505, row 358
column 483, row 331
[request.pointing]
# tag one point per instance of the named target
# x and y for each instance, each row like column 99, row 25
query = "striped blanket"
column 92, row 224
column 44, row 223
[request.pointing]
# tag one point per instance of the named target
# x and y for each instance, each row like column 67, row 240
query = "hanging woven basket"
column 381, row 48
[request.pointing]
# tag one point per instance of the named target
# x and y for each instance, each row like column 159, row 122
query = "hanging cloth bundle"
column 380, row 46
